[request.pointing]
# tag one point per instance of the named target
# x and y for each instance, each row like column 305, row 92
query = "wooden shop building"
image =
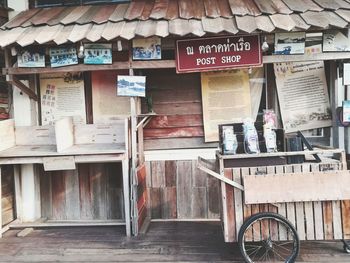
column 126, row 160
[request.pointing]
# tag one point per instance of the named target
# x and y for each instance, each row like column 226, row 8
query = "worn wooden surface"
column 93, row 191
column 164, row 242
column 178, row 190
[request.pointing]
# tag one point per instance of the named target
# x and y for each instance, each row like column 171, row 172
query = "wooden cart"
column 273, row 205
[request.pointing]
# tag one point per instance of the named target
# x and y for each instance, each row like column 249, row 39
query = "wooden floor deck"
column 164, row 242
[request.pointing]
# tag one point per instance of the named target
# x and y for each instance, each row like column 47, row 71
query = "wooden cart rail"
column 314, row 220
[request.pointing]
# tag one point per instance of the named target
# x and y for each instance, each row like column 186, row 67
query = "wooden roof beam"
column 16, row 82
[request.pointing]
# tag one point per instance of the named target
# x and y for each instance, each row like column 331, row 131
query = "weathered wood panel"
column 92, row 191
column 141, row 195
column 7, row 194
column 179, row 190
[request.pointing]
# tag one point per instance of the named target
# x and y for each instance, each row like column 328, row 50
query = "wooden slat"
column 243, row 8
column 158, row 174
column 343, row 4
column 58, row 196
column 335, row 20
column 212, row 25
column 328, row 220
column 72, row 195
column 173, row 10
column 309, row 212
column 155, row 203
column 318, row 216
column 247, row 209
column 337, row 224
column 302, row 5
column 315, row 19
column 196, row 27
column 345, row 14
column 179, row 27
column 186, row 10
column 299, row 22
column 9, row 37
column 102, row 14
column 21, row 18
column 175, row 121
column 54, row 20
column 229, row 25
column 85, row 191
column 198, row 9
column 28, row 37
column 326, row 4
column 88, row 16
column 199, row 203
column 184, row 169
column 213, row 197
column 284, row 22
column 128, row 31
column 224, row 8
column 162, row 28
column 48, row 34
column 74, row 15
column 266, row 7
column 79, row 32
column 282, row 209
column 168, row 203
column 118, row 13
column 45, row 15
column 146, row 28
column 264, row 23
column 211, row 8
column 170, row 173
column 134, row 10
column 174, row 132
column 230, row 208
column 95, row 32
column 147, row 10
column 246, row 23
column 112, row 30
column 62, row 36
column 299, row 210
column 159, row 9
column 281, row 7
column 345, row 208
column 98, row 190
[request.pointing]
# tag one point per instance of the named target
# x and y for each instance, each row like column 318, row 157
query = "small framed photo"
column 31, row 58
column 335, row 41
column 98, row 54
column 290, row 43
column 132, row 86
column 146, row 48
column 63, row 56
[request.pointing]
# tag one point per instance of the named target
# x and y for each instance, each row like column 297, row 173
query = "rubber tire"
column 255, row 217
column 346, row 249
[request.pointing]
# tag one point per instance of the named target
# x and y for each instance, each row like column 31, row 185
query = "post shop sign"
column 215, row 53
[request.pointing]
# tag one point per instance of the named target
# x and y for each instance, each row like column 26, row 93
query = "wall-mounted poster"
column 146, row 48
column 98, row 54
column 131, row 86
column 290, row 43
column 63, row 56
column 335, row 40
column 303, row 95
column 62, row 95
column 229, row 97
column 31, row 58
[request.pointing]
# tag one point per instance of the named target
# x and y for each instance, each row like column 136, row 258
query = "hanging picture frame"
column 98, row 54
column 63, row 56
column 131, row 86
column 335, row 41
column 290, row 43
column 146, row 48
column 31, row 58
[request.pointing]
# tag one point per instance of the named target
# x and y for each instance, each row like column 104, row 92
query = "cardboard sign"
column 215, row 53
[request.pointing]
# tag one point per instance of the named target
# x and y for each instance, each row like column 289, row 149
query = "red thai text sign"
column 214, row 53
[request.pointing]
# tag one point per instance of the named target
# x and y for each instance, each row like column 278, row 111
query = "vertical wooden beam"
column 18, row 193
column 126, row 195
column 0, row 204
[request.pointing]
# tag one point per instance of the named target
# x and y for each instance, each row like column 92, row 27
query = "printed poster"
column 303, row 95
column 62, row 95
column 229, row 97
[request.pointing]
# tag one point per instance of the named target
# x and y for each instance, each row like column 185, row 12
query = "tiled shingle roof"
column 162, row 18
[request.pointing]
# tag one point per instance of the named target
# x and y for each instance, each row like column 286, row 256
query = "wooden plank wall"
column 92, row 191
column 323, row 220
column 142, row 198
column 7, row 198
column 178, row 190
column 178, row 105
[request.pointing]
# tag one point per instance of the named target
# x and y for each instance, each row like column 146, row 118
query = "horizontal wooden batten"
column 163, row 64
column 174, row 132
column 172, row 121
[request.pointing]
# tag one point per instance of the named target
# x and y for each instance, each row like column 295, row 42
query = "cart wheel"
column 346, row 248
column 268, row 237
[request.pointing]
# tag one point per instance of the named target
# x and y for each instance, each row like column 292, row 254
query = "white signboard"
column 303, row 95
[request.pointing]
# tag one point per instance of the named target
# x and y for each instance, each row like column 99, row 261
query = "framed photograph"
column 63, row 56
column 146, row 49
column 290, row 43
column 98, row 54
column 335, row 40
column 31, row 58
column 132, row 86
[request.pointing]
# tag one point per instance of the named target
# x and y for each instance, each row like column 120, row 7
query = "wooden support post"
column 126, row 195
column 16, row 82
column 18, row 193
